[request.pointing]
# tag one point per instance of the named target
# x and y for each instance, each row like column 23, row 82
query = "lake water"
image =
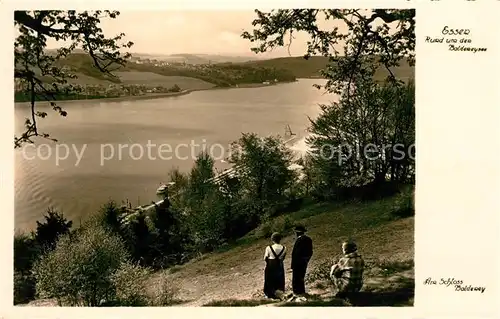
column 94, row 170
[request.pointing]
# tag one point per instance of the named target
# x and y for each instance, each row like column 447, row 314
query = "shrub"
column 404, row 203
column 321, row 272
column 282, row 224
column 26, row 251
column 163, row 292
column 78, row 271
column 266, row 230
column 24, row 288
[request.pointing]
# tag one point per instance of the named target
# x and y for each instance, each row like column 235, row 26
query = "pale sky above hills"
column 210, row 32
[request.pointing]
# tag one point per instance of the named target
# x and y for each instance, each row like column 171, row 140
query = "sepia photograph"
column 214, row 158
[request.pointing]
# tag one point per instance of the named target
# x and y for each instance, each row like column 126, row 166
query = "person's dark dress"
column 301, row 254
column 274, row 275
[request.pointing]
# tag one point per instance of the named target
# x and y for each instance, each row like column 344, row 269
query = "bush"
column 164, row 292
column 26, row 251
column 78, row 271
column 404, row 203
column 130, row 285
column 282, row 224
column 321, row 272
column 266, row 230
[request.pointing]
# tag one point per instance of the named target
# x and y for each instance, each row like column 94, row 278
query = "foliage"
column 26, row 251
column 365, row 138
column 24, row 287
column 170, row 235
column 78, row 271
column 205, row 205
column 28, row 248
column 48, row 232
column 404, row 205
column 372, row 38
column 175, row 88
column 141, row 239
column 261, row 165
column 130, row 283
column 38, row 70
column 373, row 109
column 109, row 216
column 164, row 292
column 177, row 190
column 281, row 224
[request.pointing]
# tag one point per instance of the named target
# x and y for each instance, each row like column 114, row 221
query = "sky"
column 196, row 32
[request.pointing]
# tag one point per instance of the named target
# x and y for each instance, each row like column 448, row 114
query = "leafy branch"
column 35, row 68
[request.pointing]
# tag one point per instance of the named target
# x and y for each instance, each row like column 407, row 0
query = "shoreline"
column 151, row 96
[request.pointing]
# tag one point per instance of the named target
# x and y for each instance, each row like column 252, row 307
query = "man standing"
column 301, row 254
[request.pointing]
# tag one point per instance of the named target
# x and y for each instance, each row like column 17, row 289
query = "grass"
column 391, row 287
column 233, row 275
column 154, row 79
column 239, row 303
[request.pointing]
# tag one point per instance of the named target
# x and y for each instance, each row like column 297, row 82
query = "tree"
column 361, row 45
column 39, row 71
column 109, row 215
column 79, row 270
column 175, row 88
column 200, row 179
column 206, row 214
column 372, row 39
column 141, row 239
column 364, row 139
column 261, row 165
column 169, row 237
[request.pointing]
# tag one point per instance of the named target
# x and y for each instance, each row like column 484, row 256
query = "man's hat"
column 300, row 229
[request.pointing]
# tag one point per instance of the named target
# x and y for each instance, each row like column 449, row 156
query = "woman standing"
column 274, row 274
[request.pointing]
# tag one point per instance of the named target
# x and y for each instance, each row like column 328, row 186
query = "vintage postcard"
column 193, row 158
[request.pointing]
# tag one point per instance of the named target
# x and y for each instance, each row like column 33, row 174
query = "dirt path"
column 238, row 273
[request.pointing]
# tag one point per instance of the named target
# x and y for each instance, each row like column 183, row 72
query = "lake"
column 98, row 153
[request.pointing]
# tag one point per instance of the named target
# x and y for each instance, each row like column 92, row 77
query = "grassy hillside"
column 234, row 276
column 154, row 79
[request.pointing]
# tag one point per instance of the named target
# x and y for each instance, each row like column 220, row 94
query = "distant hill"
column 299, row 66
column 226, row 73
column 311, row 68
column 189, row 58
column 219, row 74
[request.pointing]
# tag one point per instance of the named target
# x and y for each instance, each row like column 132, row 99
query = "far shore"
column 156, row 95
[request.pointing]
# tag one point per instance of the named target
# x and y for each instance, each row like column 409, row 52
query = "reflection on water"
column 100, row 143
